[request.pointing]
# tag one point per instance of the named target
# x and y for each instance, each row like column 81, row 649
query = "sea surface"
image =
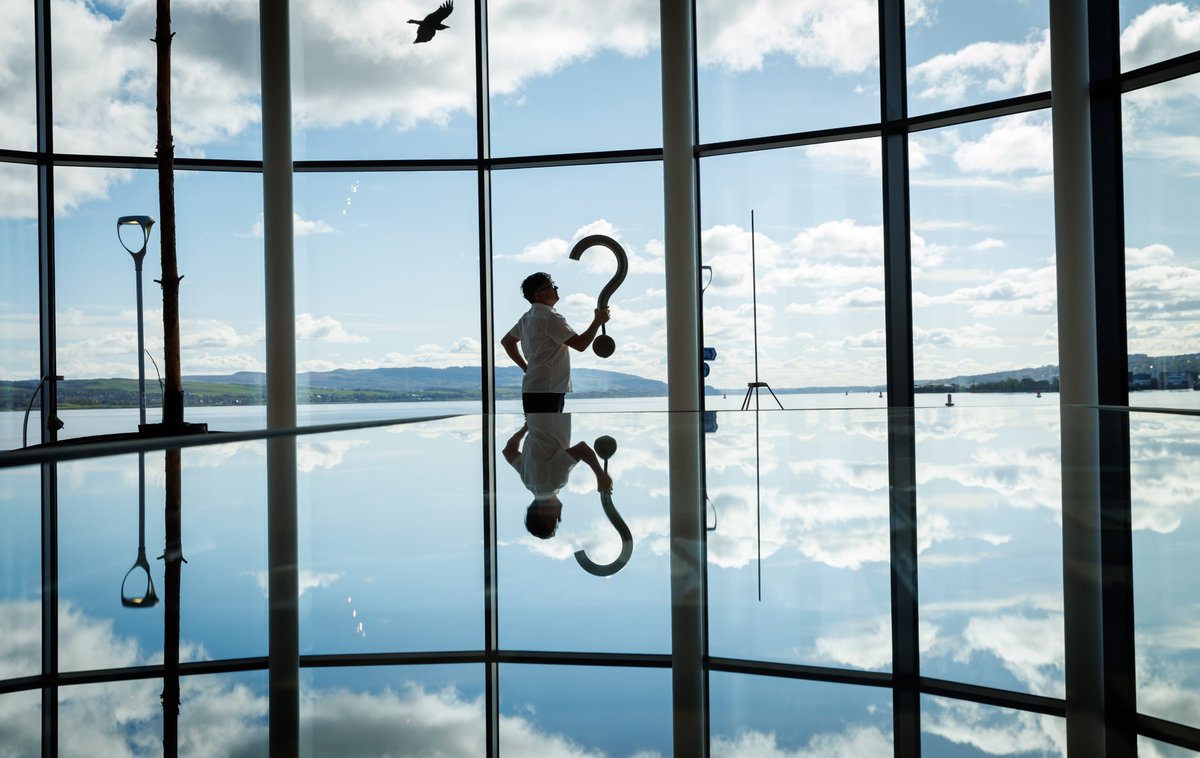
column 81, row 423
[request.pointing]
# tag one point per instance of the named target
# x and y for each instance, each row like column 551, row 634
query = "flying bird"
column 433, row 22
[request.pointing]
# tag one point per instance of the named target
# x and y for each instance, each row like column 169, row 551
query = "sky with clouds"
column 989, row 563
column 387, row 269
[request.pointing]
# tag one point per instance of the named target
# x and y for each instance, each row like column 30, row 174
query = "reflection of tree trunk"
column 173, row 389
column 173, row 557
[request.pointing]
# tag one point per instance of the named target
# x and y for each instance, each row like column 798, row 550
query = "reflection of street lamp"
column 144, row 223
column 147, row 598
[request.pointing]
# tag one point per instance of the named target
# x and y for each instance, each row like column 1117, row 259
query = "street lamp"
column 144, row 224
column 147, row 597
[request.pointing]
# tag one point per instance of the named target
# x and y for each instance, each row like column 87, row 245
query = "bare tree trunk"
column 173, row 389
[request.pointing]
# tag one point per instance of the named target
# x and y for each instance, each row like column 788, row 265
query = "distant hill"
column 415, row 384
column 1153, row 367
column 587, row 382
column 383, row 385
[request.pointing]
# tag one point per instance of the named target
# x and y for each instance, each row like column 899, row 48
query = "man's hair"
column 542, row 517
column 533, row 283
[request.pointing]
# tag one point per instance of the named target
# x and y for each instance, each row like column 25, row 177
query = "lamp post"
column 147, row 598
column 144, row 224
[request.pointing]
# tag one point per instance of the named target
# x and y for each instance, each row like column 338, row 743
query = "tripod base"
column 750, row 390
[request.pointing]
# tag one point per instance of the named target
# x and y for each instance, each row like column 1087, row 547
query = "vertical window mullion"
column 902, row 506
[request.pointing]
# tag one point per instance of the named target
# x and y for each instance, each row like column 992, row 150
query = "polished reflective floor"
column 417, row 539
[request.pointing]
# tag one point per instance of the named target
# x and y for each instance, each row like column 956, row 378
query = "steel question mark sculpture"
column 604, row 345
column 605, row 447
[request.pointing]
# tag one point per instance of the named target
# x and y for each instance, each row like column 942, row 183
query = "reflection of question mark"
column 606, row 447
column 603, row 345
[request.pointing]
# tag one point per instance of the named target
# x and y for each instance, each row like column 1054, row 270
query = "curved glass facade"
column 876, row 528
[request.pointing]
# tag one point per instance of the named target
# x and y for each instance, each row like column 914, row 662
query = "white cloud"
column 985, row 70
column 1031, row 648
column 462, row 352
column 843, row 240
column 324, row 329
column 855, row 741
column 1162, row 31
column 326, row 454
column 307, row 580
column 988, row 243
column 864, row 155
column 821, row 34
column 869, row 298
column 1179, row 153
column 222, row 717
column 1019, row 143
column 300, row 227
column 996, row 731
column 1014, row 292
column 207, row 333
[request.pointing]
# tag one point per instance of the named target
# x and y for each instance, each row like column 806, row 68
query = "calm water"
column 392, row 560
column 242, row 418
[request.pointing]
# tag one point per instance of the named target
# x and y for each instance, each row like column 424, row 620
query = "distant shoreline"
column 122, row 393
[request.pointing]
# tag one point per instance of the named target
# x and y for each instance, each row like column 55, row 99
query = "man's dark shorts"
column 543, row 402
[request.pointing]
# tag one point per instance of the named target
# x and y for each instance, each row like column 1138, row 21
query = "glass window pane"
column 808, row 293
column 393, row 710
column 569, row 579
column 107, row 103
column 223, row 594
column 89, row 724
column 219, row 254
column 782, row 66
column 539, row 215
column 1165, row 493
column 959, row 728
column 19, row 323
column 1162, row 243
column 21, row 722
column 387, row 282
column 552, row 710
column 1148, row 748
column 363, row 89
column 1153, row 31
column 98, row 547
column 983, row 277
column 573, row 77
column 766, row 715
column 20, row 574
column 967, row 53
column 223, row 714
column 990, row 547
column 798, row 540
column 18, row 97
column 391, row 551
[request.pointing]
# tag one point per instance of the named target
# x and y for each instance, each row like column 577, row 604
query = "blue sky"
column 387, row 272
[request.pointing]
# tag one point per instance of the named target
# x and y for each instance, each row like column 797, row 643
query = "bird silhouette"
column 429, row 26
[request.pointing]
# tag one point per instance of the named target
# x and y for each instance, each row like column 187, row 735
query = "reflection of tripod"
column 750, row 389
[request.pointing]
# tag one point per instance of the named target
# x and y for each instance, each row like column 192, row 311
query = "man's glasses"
column 550, row 286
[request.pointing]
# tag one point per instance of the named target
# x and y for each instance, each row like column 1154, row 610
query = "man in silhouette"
column 545, row 462
column 538, row 344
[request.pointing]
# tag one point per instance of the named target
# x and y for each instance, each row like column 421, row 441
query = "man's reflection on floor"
column 544, row 462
